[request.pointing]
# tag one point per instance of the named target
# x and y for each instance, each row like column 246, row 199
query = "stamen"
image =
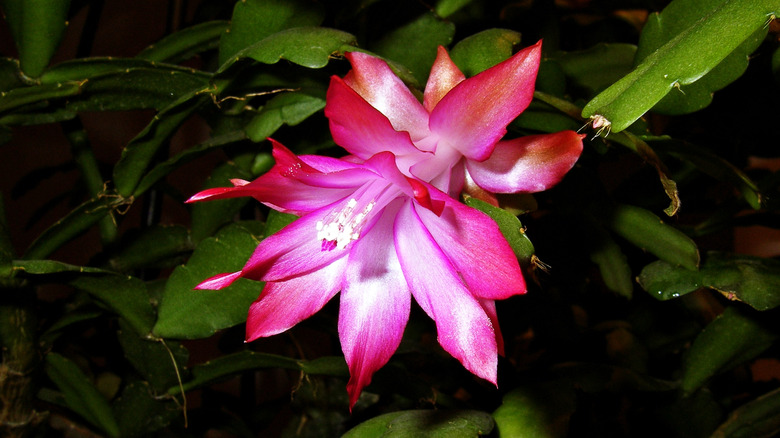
column 342, row 227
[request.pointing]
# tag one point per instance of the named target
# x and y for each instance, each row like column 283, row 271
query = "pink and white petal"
column 288, row 165
column 472, row 241
column 473, row 189
column 329, row 164
column 220, row 281
column 284, row 194
column 294, row 251
column 360, row 128
column 489, row 306
column 528, row 164
column 473, row 116
column 283, row 304
column 444, row 76
column 375, row 302
column 373, row 79
column 465, row 330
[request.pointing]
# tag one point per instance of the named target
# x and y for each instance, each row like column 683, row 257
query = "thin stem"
column 90, row 171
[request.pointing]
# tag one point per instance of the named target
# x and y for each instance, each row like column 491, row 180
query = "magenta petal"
column 360, row 128
column 293, row 251
column 328, row 164
column 473, row 116
column 489, row 306
column 284, row 304
column 293, row 185
column 375, row 305
column 528, row 164
column 372, row 79
column 477, row 249
column 465, row 330
column 220, row 281
column 444, row 76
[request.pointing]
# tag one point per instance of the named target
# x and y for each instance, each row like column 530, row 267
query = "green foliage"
column 286, row 108
column 753, row 280
column 255, row 20
column 679, row 52
column 80, row 395
column 425, row 424
column 648, row 232
column 484, row 50
column 732, row 338
column 37, row 27
column 414, row 44
column 108, row 124
column 538, row 412
column 215, row 310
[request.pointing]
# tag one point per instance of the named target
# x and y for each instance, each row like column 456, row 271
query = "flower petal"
column 360, row 128
column 220, row 281
column 444, row 76
column 465, row 330
column 474, row 244
column 375, row 304
column 371, row 78
column 281, row 305
column 528, row 164
column 293, row 185
column 489, row 306
column 294, row 251
column 473, row 116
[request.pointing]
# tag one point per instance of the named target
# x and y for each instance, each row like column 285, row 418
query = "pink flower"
column 379, row 237
column 454, row 136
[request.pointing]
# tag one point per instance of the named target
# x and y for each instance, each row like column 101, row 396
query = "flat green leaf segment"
column 286, row 108
column 37, row 27
column 310, row 47
column 646, row 230
column 597, row 67
column 414, row 44
column 439, row 424
column 483, row 50
column 753, row 280
column 685, row 53
column 185, row 43
column 538, row 410
column 270, row 30
column 215, row 310
column 732, row 338
column 80, row 395
column 254, row 20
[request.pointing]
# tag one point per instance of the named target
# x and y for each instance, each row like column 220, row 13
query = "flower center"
column 340, row 228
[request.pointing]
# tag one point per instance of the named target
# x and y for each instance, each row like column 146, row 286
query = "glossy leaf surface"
column 753, row 280
column 684, row 59
column 254, row 20
column 215, row 310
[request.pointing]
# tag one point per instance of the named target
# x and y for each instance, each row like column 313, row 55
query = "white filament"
column 344, row 226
